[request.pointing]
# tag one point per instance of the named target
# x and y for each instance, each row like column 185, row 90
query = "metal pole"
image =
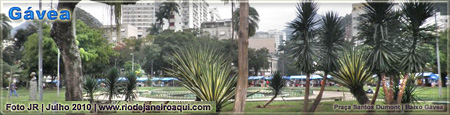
column 132, row 62
column 41, row 88
column 437, row 57
column 58, row 75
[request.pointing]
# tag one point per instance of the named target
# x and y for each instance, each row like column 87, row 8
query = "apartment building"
column 127, row 31
column 193, row 13
column 141, row 15
column 220, row 29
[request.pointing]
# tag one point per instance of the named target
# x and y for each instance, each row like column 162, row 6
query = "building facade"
column 220, row 29
column 127, row 31
column 213, row 14
column 141, row 15
column 193, row 13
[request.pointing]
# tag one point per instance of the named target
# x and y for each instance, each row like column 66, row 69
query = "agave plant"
column 353, row 74
column 276, row 85
column 410, row 93
column 90, row 85
column 303, row 50
column 130, row 86
column 112, row 83
column 204, row 72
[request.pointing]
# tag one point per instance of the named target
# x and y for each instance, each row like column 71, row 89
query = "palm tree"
column 155, row 29
column 159, row 17
column 130, row 86
column 415, row 13
column 90, row 85
column 381, row 58
column 353, row 74
column 112, row 83
column 253, row 19
column 168, row 9
column 276, row 85
column 232, row 16
column 204, row 72
column 5, row 26
column 303, row 45
column 331, row 40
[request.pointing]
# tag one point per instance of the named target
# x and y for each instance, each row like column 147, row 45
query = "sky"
column 273, row 15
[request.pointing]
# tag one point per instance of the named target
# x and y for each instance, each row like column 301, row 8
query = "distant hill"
column 82, row 15
column 87, row 18
column 442, row 7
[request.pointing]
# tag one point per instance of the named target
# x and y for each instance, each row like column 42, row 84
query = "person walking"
column 13, row 89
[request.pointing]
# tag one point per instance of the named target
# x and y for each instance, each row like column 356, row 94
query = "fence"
column 254, row 94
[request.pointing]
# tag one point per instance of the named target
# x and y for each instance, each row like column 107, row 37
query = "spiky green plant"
column 204, row 72
column 113, row 86
column 415, row 13
column 276, row 85
column 381, row 58
column 90, row 85
column 331, row 40
column 353, row 74
column 410, row 93
column 130, row 86
column 303, row 50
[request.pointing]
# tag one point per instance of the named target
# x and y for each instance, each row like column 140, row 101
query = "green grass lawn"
column 296, row 106
column 276, row 106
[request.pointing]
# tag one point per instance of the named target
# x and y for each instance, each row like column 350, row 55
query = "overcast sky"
column 273, row 15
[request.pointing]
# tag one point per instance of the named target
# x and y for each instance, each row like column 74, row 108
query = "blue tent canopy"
column 163, row 79
column 168, row 79
column 428, row 74
column 296, row 77
column 256, row 77
column 142, row 79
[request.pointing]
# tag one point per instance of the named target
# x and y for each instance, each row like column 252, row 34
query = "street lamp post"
column 437, row 57
column 57, row 85
column 132, row 62
column 40, row 56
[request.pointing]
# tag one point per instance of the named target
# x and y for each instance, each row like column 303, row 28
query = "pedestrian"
column 13, row 89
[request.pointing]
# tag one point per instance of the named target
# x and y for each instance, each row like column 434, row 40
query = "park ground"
column 294, row 106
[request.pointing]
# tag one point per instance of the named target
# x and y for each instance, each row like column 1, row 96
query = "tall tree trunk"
column 375, row 95
column 319, row 96
column 402, row 88
column 391, row 91
column 117, row 15
column 306, row 99
column 241, row 88
column 360, row 95
column 385, row 88
column 62, row 33
column 232, row 22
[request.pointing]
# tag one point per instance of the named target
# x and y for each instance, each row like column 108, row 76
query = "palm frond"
column 331, row 41
column 303, row 45
column 253, row 20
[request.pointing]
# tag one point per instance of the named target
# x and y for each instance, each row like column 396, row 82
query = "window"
column 172, row 24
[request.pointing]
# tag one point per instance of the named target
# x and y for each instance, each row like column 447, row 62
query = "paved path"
column 327, row 96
